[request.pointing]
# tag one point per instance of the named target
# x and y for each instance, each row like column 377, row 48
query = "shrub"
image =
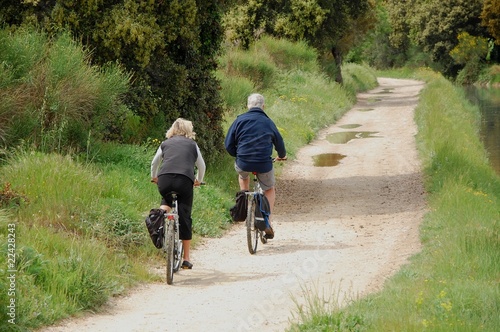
column 60, row 98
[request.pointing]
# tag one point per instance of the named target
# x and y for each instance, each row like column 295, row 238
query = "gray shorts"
column 266, row 180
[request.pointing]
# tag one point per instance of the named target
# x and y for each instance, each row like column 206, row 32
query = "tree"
column 346, row 24
column 469, row 48
column 400, row 13
column 376, row 48
column 329, row 25
column 490, row 17
column 434, row 26
column 169, row 46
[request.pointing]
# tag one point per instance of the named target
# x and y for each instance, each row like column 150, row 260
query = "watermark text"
column 11, row 273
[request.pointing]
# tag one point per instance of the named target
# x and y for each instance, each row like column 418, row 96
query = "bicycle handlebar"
column 199, row 184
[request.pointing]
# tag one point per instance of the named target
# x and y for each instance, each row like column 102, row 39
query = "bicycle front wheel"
column 252, row 232
column 169, row 251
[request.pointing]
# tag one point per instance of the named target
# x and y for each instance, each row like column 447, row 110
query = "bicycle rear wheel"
column 169, row 251
column 252, row 232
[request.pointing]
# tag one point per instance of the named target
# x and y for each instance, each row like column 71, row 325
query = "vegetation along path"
column 340, row 232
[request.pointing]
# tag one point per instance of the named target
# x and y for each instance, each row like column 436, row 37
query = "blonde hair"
column 181, row 127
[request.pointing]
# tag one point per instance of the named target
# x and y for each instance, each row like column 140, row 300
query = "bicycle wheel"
column 169, row 251
column 252, row 232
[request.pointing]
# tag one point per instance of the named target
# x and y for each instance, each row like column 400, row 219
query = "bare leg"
column 271, row 197
column 244, row 183
column 186, row 244
column 165, row 208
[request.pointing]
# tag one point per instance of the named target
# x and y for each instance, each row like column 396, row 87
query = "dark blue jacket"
column 251, row 138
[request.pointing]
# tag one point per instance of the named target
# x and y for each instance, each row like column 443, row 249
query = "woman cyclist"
column 173, row 169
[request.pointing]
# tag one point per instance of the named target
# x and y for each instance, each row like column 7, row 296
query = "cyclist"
column 178, row 155
column 250, row 139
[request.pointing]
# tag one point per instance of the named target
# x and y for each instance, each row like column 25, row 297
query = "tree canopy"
column 434, row 26
column 491, row 18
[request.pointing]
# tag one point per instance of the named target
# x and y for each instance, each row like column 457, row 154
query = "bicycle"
column 253, row 233
column 172, row 245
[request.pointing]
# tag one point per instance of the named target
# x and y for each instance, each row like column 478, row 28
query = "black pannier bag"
column 239, row 210
column 154, row 223
column 262, row 212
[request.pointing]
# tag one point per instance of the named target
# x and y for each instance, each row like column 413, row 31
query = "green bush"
column 358, row 78
column 61, row 99
column 258, row 67
column 19, row 54
column 235, row 91
column 287, row 55
column 470, row 73
column 170, row 48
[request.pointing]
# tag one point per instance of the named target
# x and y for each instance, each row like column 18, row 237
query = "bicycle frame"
column 253, row 233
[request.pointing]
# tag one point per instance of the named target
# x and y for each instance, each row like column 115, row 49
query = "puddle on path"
column 386, row 90
column 327, row 159
column 350, row 126
column 366, row 109
column 373, row 100
column 345, row 136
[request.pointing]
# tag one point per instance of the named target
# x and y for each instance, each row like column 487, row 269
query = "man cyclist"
column 250, row 139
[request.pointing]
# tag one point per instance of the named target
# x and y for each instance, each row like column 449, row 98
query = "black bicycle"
column 253, row 233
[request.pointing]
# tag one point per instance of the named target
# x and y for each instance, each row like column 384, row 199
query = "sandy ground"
column 340, row 232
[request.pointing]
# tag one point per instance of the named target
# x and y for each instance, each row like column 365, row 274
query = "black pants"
column 183, row 186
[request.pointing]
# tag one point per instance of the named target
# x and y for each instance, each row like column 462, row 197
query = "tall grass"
column 452, row 284
column 52, row 97
column 80, row 217
column 55, row 276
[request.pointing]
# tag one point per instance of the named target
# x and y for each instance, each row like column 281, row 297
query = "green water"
column 488, row 100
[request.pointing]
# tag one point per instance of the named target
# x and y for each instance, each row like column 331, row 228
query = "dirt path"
column 341, row 229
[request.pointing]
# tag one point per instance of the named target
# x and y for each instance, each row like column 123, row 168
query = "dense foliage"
column 491, row 18
column 424, row 32
column 384, row 33
column 330, row 26
column 170, row 48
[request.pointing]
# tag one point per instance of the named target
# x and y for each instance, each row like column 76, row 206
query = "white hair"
column 255, row 100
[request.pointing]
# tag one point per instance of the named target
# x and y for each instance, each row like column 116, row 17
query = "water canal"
column 488, row 101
